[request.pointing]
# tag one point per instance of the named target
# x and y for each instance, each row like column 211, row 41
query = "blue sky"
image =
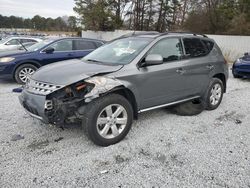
column 30, row 8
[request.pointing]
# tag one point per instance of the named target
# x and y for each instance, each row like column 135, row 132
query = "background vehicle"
column 21, row 64
column 241, row 68
column 109, row 87
column 13, row 43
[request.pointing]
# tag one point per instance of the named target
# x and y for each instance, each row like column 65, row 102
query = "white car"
column 13, row 43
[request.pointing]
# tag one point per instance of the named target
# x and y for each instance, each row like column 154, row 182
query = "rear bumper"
column 34, row 105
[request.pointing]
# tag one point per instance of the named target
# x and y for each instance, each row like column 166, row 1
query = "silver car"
column 14, row 43
column 107, row 89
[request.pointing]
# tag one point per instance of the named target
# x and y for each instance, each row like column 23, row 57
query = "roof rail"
column 137, row 33
column 190, row 33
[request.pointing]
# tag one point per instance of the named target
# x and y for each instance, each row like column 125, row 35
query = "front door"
column 165, row 83
column 63, row 50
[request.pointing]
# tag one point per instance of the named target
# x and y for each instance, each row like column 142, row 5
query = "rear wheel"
column 108, row 119
column 214, row 94
column 23, row 72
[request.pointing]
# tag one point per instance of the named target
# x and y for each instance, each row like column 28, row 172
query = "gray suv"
column 107, row 89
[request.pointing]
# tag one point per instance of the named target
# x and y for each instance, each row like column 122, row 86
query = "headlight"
column 6, row 59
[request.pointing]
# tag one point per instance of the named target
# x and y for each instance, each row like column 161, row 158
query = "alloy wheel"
column 216, row 93
column 112, row 121
column 25, row 73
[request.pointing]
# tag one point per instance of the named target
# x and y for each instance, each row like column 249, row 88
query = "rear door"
column 82, row 47
column 197, row 65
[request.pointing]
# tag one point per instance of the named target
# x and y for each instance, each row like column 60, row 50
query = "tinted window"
column 64, row 45
column 194, row 47
column 169, row 49
column 84, row 45
column 208, row 44
column 98, row 44
column 27, row 40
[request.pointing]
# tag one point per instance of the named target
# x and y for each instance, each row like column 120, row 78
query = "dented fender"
column 102, row 85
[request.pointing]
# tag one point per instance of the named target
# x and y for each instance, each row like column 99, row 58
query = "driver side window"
column 170, row 49
column 63, row 46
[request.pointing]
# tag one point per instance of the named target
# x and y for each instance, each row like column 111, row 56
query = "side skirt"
column 168, row 104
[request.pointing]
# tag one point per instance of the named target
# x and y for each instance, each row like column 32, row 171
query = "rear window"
column 194, row 47
column 208, row 44
column 84, row 45
column 98, row 44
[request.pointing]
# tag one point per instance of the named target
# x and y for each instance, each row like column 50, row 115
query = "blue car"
column 241, row 68
column 20, row 65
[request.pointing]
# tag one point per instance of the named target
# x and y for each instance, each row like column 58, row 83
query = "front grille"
column 41, row 88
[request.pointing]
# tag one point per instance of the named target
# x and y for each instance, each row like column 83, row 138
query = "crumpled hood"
column 71, row 71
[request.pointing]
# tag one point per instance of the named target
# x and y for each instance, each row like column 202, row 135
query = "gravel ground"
column 161, row 150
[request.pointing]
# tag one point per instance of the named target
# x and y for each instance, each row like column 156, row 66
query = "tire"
column 105, row 133
column 214, row 94
column 23, row 71
column 191, row 108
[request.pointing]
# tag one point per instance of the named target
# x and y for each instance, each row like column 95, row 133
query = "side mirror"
column 246, row 54
column 49, row 50
column 154, row 59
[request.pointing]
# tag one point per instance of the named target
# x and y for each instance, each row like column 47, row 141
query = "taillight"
column 225, row 61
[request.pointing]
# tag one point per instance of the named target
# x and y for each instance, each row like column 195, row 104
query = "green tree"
column 72, row 22
column 95, row 15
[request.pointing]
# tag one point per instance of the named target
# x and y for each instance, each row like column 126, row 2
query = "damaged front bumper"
column 59, row 104
column 34, row 105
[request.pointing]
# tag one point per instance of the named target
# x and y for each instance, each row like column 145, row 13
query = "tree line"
column 40, row 23
column 201, row 16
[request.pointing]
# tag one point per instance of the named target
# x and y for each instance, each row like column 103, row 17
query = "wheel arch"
column 32, row 62
column 222, row 77
column 129, row 95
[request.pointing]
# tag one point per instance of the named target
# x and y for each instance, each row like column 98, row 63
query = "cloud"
column 30, row 8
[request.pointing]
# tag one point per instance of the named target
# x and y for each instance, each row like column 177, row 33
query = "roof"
column 63, row 38
column 156, row 34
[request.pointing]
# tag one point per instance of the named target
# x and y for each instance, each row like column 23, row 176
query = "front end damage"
column 58, row 104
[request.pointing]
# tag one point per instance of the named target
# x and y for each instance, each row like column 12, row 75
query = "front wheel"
column 214, row 94
column 108, row 119
column 23, row 72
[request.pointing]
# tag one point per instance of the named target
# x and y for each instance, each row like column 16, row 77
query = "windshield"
column 121, row 51
column 38, row 45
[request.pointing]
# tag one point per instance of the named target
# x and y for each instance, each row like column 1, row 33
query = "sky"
column 30, row 8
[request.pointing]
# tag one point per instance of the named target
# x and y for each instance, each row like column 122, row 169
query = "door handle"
column 210, row 67
column 180, row 71
column 70, row 54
